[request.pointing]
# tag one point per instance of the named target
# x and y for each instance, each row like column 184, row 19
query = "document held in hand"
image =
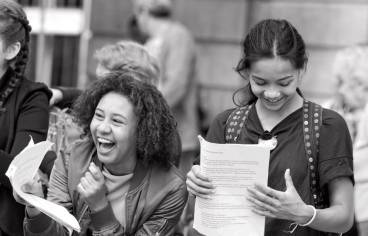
column 23, row 169
column 232, row 168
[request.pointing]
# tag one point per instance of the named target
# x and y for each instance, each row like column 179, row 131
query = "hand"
column 92, row 188
column 57, row 96
column 43, row 178
column 282, row 205
column 198, row 184
column 34, row 188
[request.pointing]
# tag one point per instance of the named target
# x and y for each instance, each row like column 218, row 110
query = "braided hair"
column 14, row 27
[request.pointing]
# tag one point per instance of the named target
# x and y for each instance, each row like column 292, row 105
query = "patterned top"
column 335, row 155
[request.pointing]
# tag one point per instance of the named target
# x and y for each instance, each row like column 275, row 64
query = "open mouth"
column 105, row 145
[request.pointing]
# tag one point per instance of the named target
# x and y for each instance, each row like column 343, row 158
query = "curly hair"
column 156, row 126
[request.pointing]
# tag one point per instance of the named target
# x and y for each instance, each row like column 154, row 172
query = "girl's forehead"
column 272, row 65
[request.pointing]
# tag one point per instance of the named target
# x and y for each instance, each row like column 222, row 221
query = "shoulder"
column 179, row 33
column 167, row 175
column 222, row 117
column 79, row 152
column 168, row 180
column 332, row 118
column 216, row 132
column 29, row 87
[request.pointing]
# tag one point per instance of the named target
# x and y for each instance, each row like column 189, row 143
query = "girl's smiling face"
column 274, row 82
column 113, row 130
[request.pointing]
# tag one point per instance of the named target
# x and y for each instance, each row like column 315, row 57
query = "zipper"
column 84, row 209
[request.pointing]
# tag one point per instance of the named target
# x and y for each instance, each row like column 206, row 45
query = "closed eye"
column 285, row 83
column 98, row 116
column 259, row 82
column 118, row 121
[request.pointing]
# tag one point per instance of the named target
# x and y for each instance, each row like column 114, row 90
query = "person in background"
column 118, row 179
column 23, row 108
column 306, row 195
column 174, row 47
column 351, row 72
column 121, row 56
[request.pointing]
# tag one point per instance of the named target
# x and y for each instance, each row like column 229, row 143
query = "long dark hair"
column 268, row 39
column 14, row 27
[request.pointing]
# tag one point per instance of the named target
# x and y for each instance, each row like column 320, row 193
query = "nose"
column 104, row 127
column 271, row 93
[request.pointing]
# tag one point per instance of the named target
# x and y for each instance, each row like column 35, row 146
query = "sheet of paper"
column 23, row 169
column 232, row 168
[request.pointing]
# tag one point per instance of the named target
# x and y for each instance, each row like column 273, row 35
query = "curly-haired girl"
column 118, row 180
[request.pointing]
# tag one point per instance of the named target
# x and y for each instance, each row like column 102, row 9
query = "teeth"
column 275, row 100
column 104, row 141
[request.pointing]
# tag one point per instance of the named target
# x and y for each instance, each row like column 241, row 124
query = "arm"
column 37, row 223
column 179, row 66
column 197, row 183
column 166, row 216
column 93, row 191
column 288, row 205
column 32, row 120
column 64, row 96
column 340, row 215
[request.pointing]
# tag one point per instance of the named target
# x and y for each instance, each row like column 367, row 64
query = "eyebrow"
column 280, row 79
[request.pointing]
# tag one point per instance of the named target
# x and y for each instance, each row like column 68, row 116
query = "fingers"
column 96, row 172
column 196, row 172
column 198, row 184
column 262, row 201
column 268, row 191
column 263, row 212
column 288, row 181
column 92, row 181
column 197, row 178
column 34, row 188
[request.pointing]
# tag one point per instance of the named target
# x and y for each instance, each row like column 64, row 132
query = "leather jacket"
column 154, row 202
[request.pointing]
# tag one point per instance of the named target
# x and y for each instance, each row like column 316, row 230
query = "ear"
column 12, row 51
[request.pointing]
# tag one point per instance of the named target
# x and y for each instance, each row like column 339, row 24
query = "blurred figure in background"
column 351, row 71
column 174, row 47
column 23, row 108
column 121, row 56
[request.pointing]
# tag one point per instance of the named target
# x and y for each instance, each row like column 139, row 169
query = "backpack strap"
column 312, row 122
column 235, row 123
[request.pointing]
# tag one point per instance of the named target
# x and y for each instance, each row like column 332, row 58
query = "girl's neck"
column 270, row 118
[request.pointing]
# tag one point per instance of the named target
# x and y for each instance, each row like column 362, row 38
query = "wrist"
column 309, row 213
column 99, row 206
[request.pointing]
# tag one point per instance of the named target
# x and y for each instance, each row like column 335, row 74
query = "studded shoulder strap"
column 312, row 122
column 235, row 123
